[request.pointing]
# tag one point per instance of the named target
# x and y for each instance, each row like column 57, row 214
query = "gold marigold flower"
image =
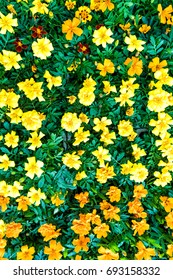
column 107, row 254
column 134, row 44
column 53, row 250
column 33, row 167
column 26, row 253
column 143, row 252
column 70, row 122
column 102, row 36
column 7, row 23
column 70, row 27
column 42, row 48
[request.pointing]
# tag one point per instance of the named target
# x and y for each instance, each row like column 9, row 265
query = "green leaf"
column 41, row 182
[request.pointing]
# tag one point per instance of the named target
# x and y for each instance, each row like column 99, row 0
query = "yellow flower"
column 9, row 98
column 167, row 203
column 107, row 254
column 156, row 64
column 105, row 173
column 138, row 172
column 126, row 168
column 165, row 142
column 143, row 252
column 139, row 191
column 162, row 124
column 3, row 98
column 128, row 86
column 94, row 218
column 80, row 175
column 48, row 231
column 13, row 230
column 73, row 66
column 81, row 243
column 32, row 89
column 70, row 122
column 82, row 198
column 33, row 167
column 56, row 200
column 106, row 4
column 125, row 128
column 34, row 68
column 10, row 59
column 101, row 230
column 163, row 77
column 144, row 28
column 83, row 13
column 6, row 23
column 102, row 154
column 169, row 220
column 163, row 178
column 53, row 250
column 135, row 66
column 95, row 5
column 4, row 201
column 125, row 98
column 11, row 139
column 42, row 48
column 169, row 251
column 165, row 14
column 158, row 100
column 111, row 213
column 11, row 9
column 106, row 67
column 70, row 4
column 135, row 208
column 72, row 160
column 3, row 242
column 137, row 152
column 15, row 115
column 25, row 253
column 130, row 111
column 102, row 36
column 78, row 257
column 5, row 163
column 89, row 83
column 108, row 88
column 86, row 96
column 31, row 120
column 81, row 136
column 140, row 227
column 125, row 27
column 35, row 140
column 114, row 194
column 35, row 196
column 71, row 27
column 101, row 124
column 133, row 43
column 132, row 136
column 39, row 7
column 81, row 226
column 2, row 228
column 52, row 81
column 23, row 203
column 71, row 99
column 14, row 189
column 4, row 188
column 107, row 136
column 83, row 117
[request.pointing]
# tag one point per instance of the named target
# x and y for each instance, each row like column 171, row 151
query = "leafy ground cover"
column 86, row 146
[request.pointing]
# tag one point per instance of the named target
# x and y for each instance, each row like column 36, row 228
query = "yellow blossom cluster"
column 86, row 146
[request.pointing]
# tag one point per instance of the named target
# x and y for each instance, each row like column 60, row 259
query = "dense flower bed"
column 86, row 146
